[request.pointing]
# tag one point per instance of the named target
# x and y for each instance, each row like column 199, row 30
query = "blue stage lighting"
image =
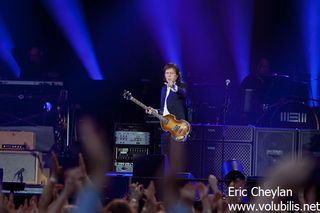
column 69, row 17
column 6, row 44
column 47, row 106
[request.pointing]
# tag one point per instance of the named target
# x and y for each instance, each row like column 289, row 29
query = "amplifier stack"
column 257, row 149
column 131, row 141
column 221, row 143
column 19, row 161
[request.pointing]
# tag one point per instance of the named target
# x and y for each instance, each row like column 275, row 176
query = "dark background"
column 129, row 52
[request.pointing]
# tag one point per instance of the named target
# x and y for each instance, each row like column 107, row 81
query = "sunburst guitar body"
column 179, row 129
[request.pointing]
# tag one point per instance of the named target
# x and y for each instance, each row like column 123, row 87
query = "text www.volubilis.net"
column 281, row 206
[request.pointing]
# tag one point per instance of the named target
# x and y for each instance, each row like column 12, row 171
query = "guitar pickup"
column 176, row 128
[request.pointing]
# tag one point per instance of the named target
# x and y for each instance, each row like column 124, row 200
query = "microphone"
column 228, row 82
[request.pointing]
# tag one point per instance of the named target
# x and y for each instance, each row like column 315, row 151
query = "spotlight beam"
column 68, row 15
column 310, row 24
column 162, row 21
column 6, row 44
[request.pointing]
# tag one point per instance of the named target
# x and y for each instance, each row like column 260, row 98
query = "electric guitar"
column 179, row 129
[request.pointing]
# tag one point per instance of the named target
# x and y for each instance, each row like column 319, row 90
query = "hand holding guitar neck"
column 179, row 129
column 150, row 110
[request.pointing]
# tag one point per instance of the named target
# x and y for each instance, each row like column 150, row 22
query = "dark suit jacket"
column 176, row 102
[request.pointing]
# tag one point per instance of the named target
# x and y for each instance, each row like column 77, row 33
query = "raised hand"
column 48, row 191
column 56, row 168
column 188, row 192
column 170, row 84
column 205, row 200
column 93, row 140
column 150, row 204
column 213, row 182
column 150, row 192
column 69, row 189
column 83, row 171
column 202, row 189
column 136, row 192
column 10, row 204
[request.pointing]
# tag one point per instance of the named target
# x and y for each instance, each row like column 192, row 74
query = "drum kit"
column 287, row 104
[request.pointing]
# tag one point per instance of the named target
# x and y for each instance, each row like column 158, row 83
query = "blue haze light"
column 310, row 27
column 6, row 44
column 163, row 23
column 68, row 15
column 239, row 26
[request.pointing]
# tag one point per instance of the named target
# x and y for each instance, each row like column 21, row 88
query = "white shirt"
column 165, row 108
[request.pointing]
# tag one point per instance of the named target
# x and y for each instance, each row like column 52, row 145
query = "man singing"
column 173, row 98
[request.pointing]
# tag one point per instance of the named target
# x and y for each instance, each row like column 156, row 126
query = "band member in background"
column 254, row 92
column 173, row 97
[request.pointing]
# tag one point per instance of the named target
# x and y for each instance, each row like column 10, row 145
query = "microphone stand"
column 226, row 104
column 224, row 112
column 20, row 177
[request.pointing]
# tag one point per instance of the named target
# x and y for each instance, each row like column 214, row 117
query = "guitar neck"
column 157, row 115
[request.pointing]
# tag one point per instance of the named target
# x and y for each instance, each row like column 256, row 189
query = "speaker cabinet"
column 193, row 151
column 226, row 143
column 193, row 159
column 309, row 142
column 27, row 162
column 228, row 133
column 214, row 154
column 241, row 152
column 212, row 160
column 271, row 146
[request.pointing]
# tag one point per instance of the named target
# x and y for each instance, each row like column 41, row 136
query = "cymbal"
column 293, row 79
column 299, row 81
column 279, row 75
